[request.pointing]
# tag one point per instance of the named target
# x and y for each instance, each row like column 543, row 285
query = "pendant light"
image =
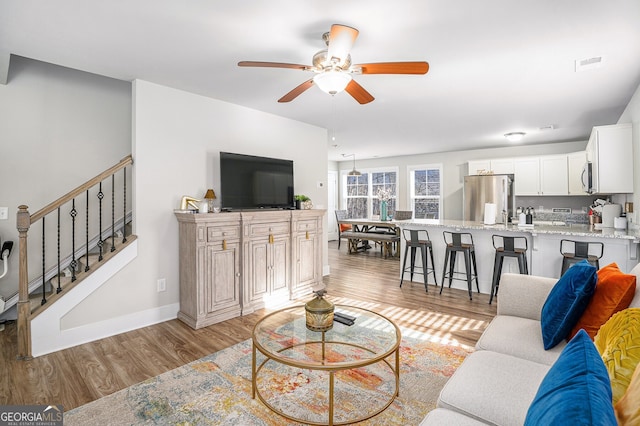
column 353, row 172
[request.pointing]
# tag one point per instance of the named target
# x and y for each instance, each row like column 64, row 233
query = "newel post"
column 23, row 219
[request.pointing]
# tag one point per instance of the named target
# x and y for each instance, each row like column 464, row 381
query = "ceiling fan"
column 333, row 69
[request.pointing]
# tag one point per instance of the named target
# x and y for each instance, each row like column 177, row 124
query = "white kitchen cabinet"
column 554, row 176
column 527, row 176
column 499, row 166
column 502, row 166
column 575, row 164
column 546, row 175
column 610, row 152
column 477, row 167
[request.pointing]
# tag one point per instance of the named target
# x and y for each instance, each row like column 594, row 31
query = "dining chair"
column 342, row 215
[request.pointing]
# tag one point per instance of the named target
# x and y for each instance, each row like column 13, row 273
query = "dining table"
column 385, row 232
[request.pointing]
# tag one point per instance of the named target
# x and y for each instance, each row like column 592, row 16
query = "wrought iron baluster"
column 113, row 213
column 100, row 240
column 86, row 267
column 59, row 289
column 124, row 210
column 74, row 262
column 44, row 298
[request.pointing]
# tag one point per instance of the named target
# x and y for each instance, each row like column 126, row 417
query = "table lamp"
column 210, row 196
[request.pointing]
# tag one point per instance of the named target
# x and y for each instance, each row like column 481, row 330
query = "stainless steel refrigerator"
column 496, row 189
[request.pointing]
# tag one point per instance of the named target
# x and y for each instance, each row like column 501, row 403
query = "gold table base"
column 255, row 370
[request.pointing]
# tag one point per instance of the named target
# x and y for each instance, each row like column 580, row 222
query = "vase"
column 383, row 210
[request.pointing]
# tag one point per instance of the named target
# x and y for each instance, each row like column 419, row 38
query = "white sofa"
column 497, row 383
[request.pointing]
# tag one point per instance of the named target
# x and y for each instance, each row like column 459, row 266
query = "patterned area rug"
column 216, row 390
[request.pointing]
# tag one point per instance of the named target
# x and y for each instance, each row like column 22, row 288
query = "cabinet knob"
column 237, row 274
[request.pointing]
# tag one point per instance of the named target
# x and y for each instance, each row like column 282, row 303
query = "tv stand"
column 231, row 263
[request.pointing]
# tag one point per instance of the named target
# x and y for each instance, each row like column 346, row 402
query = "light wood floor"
column 78, row 375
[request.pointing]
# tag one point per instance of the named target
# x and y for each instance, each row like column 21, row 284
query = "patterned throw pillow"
column 618, row 342
column 614, row 292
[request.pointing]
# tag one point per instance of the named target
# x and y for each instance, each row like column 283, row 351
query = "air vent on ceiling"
column 588, row 63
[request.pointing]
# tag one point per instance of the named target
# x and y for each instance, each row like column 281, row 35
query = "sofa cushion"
column 614, row 292
column 441, row 416
column 618, row 342
column 520, row 337
column 576, row 387
column 566, row 302
column 635, row 303
column 628, row 408
column 493, row 388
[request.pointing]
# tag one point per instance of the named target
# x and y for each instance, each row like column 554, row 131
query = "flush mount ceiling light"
column 332, row 82
column 353, row 172
column 514, row 136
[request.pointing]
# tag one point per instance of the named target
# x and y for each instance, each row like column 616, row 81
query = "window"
column 425, row 184
column 361, row 197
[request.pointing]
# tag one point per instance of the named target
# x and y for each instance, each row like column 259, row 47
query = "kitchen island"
column 543, row 255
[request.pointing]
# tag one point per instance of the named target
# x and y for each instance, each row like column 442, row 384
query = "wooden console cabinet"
column 234, row 263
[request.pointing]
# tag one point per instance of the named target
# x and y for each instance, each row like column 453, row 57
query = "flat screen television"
column 251, row 182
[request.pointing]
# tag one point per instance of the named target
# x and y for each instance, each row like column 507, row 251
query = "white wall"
column 58, row 128
column 177, row 140
column 455, row 168
column 631, row 114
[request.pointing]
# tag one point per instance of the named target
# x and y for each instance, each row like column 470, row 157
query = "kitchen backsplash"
column 548, row 216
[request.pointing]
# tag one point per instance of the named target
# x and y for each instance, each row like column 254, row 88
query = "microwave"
column 587, row 177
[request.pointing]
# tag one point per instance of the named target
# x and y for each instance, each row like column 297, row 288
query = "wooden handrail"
column 24, row 221
column 79, row 190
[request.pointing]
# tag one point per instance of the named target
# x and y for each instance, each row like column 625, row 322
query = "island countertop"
column 544, row 241
column 569, row 230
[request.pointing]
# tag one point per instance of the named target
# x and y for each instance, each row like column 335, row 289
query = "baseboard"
column 47, row 335
column 99, row 330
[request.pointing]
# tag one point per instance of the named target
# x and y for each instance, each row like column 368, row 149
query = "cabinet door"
column 478, row 166
column 554, row 177
column 280, row 265
column 260, row 270
column 307, row 273
column 575, row 164
column 502, row 166
column 222, row 289
column 527, row 176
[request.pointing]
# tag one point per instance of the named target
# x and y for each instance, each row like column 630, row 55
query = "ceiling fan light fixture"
column 514, row 136
column 332, row 82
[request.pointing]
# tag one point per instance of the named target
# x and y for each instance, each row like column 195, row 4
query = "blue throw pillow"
column 576, row 390
column 567, row 302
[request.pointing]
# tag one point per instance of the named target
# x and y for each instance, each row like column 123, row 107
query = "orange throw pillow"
column 346, row 227
column 614, row 292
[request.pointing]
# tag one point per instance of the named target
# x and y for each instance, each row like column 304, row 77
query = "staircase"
column 94, row 235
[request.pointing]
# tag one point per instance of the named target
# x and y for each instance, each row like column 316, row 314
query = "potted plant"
column 302, row 201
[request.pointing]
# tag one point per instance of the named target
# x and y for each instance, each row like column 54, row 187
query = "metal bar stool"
column 418, row 239
column 460, row 242
column 507, row 247
column 575, row 251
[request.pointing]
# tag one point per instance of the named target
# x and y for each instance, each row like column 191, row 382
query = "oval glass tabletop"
column 283, row 335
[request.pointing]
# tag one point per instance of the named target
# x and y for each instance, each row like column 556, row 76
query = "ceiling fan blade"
column 272, row 65
column 395, row 68
column 296, row 91
column 341, row 39
column 358, row 92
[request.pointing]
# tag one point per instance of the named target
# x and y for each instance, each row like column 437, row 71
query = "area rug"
column 216, row 390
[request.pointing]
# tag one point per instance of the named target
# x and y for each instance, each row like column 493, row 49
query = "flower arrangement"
column 384, row 194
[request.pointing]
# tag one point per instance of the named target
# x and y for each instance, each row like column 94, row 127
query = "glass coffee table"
column 344, row 375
